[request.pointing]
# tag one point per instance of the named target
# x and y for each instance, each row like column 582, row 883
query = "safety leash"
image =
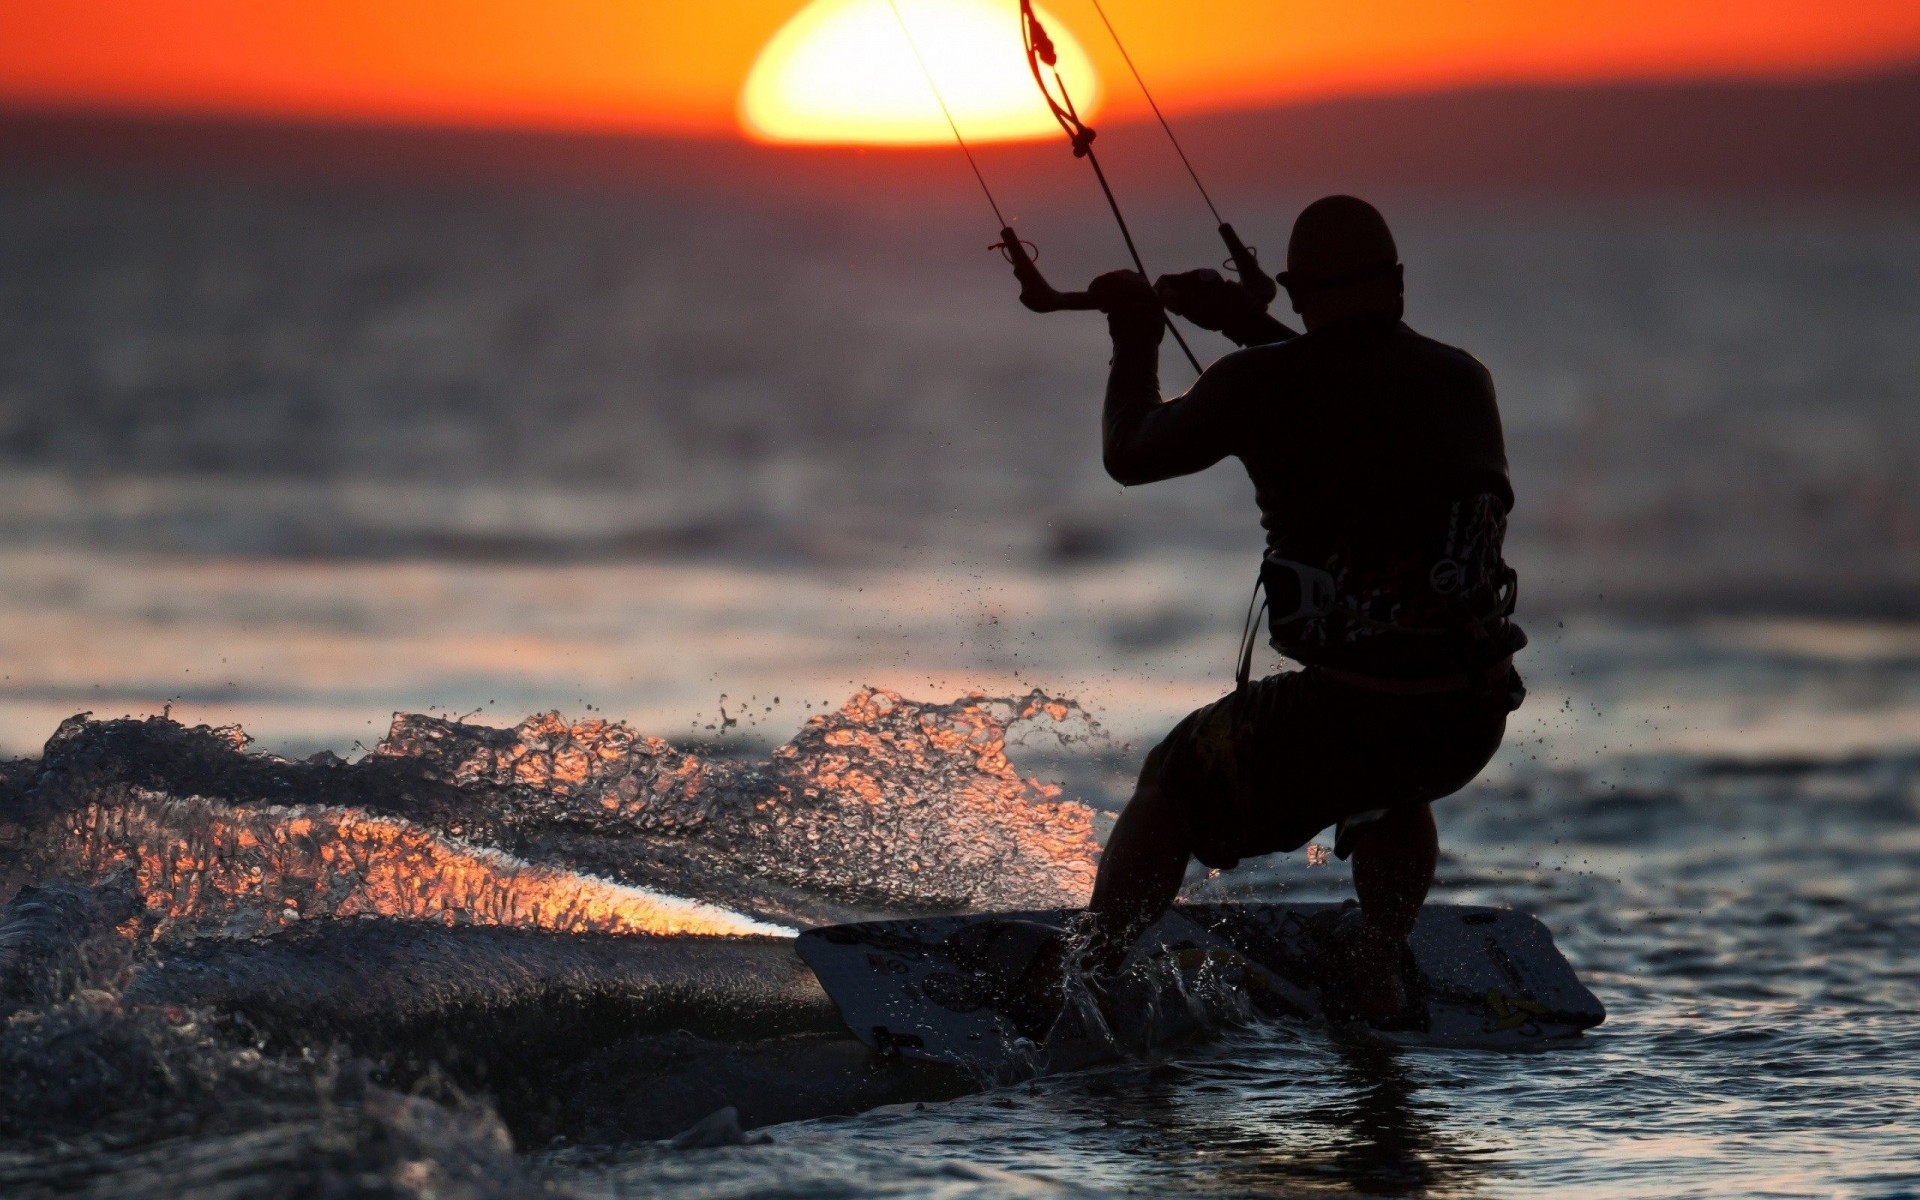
column 1041, row 52
column 1249, row 634
column 1241, row 258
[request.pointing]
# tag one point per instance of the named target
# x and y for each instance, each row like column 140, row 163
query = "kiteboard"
column 942, row 988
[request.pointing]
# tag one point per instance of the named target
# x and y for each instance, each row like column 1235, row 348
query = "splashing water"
column 210, row 868
column 220, row 884
column 885, row 804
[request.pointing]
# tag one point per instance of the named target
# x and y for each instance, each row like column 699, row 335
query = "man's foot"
column 1023, row 964
column 1035, row 1000
column 1371, row 963
column 1364, row 974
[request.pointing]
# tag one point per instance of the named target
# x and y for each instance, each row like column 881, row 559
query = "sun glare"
column 843, row 71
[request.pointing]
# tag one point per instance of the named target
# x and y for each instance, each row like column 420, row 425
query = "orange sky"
column 677, row 65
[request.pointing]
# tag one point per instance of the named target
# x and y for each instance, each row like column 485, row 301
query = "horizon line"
column 34, row 109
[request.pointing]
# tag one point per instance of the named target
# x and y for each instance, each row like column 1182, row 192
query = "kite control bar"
column 1040, row 296
column 1035, row 292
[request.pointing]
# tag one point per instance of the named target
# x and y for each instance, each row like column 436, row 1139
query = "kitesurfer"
column 1380, row 472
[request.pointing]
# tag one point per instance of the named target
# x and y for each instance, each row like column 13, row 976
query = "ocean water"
column 798, row 522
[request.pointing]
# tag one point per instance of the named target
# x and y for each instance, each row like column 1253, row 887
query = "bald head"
column 1341, row 262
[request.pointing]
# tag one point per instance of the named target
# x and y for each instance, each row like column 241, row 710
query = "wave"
column 273, row 970
column 271, row 960
column 269, row 969
column 885, row 805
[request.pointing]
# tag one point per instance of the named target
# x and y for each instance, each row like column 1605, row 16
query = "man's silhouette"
column 1381, row 475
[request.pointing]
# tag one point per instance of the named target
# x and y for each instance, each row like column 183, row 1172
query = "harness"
column 1291, row 593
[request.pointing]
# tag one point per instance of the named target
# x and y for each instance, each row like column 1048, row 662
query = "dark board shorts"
column 1264, row 771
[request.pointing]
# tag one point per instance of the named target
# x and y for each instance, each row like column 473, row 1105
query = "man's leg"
column 1140, row 870
column 1393, row 861
column 1140, row 873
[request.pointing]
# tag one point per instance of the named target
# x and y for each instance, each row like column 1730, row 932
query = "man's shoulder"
column 1311, row 353
column 1253, row 357
column 1444, row 357
column 1253, row 363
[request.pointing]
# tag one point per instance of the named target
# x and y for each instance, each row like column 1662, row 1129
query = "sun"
column 842, row 71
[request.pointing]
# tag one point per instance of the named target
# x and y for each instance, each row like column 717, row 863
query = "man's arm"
column 1143, row 439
